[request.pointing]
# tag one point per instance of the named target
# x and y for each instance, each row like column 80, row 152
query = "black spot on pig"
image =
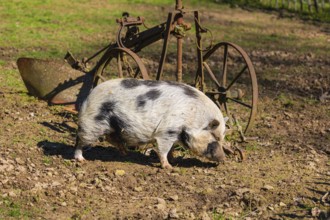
column 141, row 102
column 118, row 124
column 130, row 83
column 171, row 132
column 153, row 94
column 187, row 90
column 151, row 83
column 184, row 138
column 105, row 110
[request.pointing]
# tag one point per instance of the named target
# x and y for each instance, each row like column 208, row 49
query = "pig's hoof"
column 167, row 166
column 79, row 158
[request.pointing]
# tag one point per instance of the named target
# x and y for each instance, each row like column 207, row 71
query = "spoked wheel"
column 232, row 83
column 121, row 63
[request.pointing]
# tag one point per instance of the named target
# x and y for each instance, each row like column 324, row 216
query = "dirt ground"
column 286, row 174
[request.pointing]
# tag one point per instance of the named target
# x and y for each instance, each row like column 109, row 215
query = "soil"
column 286, row 173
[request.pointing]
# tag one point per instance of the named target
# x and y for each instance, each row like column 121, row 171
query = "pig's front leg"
column 163, row 148
column 78, row 154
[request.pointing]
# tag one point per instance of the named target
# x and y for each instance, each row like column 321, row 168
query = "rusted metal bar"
column 179, row 52
column 145, row 38
column 200, row 72
column 164, row 51
column 179, row 60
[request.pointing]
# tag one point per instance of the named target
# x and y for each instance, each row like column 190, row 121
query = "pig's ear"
column 226, row 119
column 213, row 124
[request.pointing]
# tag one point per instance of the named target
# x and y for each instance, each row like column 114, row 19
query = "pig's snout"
column 215, row 151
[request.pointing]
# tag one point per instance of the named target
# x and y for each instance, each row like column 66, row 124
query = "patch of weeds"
column 182, row 171
column 251, row 147
column 12, row 79
column 67, row 163
column 286, row 101
column 56, row 109
column 13, row 210
column 47, row 160
column 27, row 99
column 311, row 101
column 182, row 150
column 42, row 131
column 218, row 216
column 86, row 211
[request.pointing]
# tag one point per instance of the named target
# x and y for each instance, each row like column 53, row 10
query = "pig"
column 133, row 112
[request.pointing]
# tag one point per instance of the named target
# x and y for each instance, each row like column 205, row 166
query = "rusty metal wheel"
column 231, row 82
column 120, row 63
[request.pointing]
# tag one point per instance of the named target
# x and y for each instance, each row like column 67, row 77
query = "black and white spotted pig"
column 133, row 112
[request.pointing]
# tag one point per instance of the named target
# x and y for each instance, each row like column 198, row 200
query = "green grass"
column 286, row 101
column 252, row 147
column 48, row 28
column 13, row 210
column 9, row 78
column 47, row 160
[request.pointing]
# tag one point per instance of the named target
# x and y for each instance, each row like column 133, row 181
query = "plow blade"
column 54, row 80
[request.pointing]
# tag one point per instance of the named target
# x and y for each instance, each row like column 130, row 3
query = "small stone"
column 120, row 172
column 21, row 169
column 267, row 187
column 19, row 161
column 12, row 194
column 315, row 212
column 271, row 208
column 64, row 204
column 55, row 184
column 174, row 198
column 161, row 207
column 138, row 189
column 161, row 201
column 222, row 186
column 282, row 204
column 208, row 190
column 172, row 213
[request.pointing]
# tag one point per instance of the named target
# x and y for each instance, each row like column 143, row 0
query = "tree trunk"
column 316, row 6
column 309, row 6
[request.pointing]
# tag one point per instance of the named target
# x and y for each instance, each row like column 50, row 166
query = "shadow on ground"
column 108, row 154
